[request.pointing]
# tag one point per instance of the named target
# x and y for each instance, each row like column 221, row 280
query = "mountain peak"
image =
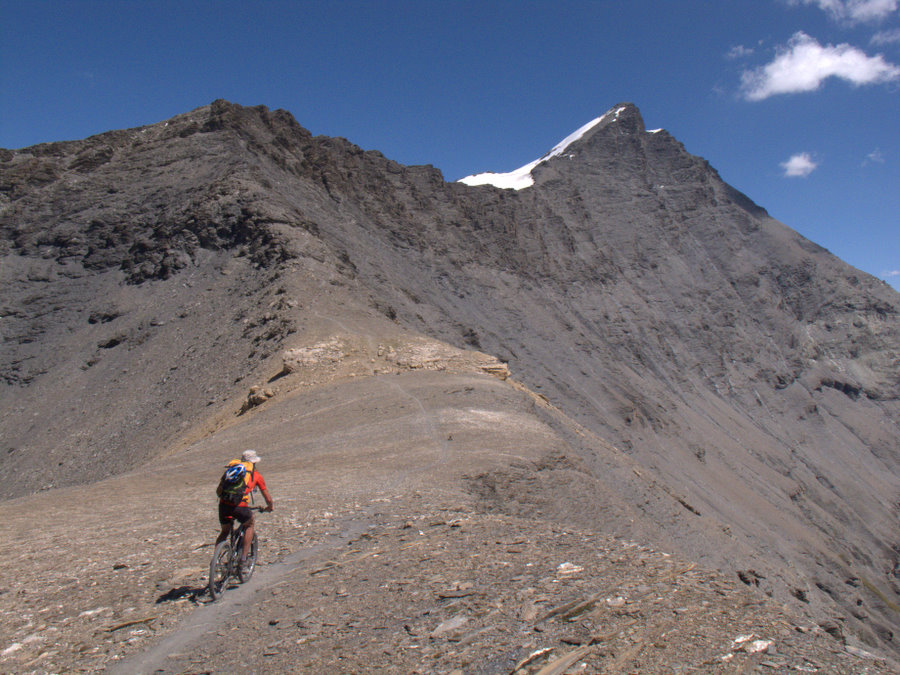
column 626, row 116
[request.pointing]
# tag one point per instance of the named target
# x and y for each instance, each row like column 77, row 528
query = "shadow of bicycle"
column 192, row 593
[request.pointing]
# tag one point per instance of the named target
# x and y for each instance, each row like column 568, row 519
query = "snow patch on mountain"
column 521, row 178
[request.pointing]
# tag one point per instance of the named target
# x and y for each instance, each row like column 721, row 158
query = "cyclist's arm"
column 261, row 484
column 270, row 503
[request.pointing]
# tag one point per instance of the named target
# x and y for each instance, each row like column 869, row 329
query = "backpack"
column 233, row 484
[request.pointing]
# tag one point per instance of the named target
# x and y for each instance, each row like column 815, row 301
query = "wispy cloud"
column 799, row 165
column 853, row 11
column 739, row 52
column 804, row 64
column 874, row 157
column 887, row 274
column 886, row 37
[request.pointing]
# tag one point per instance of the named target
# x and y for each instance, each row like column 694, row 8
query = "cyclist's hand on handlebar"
column 270, row 507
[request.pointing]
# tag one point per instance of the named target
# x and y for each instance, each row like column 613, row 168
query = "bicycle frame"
column 224, row 564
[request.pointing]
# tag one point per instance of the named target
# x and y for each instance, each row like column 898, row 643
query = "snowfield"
column 521, row 178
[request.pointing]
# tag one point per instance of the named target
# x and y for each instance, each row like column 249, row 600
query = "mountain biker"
column 241, row 512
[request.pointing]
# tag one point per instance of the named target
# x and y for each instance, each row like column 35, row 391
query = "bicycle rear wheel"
column 250, row 564
column 219, row 569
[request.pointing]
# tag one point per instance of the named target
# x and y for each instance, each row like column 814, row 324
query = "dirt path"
column 205, row 621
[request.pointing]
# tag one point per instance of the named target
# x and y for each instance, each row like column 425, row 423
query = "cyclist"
column 241, row 512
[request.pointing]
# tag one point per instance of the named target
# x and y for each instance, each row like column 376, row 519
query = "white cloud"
column 874, row 157
column 739, row 52
column 800, row 165
column 854, row 11
column 804, row 64
column 886, row 37
column 890, row 273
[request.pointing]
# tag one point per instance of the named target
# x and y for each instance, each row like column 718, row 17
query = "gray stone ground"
column 389, row 551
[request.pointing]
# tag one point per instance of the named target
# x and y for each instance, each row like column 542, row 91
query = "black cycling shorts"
column 229, row 512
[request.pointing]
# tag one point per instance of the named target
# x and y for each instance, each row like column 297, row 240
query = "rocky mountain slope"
column 731, row 390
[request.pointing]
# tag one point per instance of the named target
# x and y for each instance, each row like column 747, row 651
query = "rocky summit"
column 615, row 419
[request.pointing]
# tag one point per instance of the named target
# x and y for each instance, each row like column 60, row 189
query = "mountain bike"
column 224, row 564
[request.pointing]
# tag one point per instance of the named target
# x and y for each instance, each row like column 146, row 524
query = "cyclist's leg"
column 225, row 520
column 245, row 516
column 248, row 538
column 223, row 534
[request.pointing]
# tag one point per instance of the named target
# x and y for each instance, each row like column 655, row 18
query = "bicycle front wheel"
column 219, row 569
column 250, row 564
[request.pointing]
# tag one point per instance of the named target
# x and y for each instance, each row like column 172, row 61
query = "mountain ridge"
column 656, row 305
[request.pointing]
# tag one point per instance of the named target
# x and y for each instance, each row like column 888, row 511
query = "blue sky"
column 795, row 102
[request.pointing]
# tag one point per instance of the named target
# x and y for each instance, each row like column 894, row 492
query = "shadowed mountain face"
column 750, row 377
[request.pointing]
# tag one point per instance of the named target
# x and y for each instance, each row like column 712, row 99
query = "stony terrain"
column 370, row 565
column 719, row 388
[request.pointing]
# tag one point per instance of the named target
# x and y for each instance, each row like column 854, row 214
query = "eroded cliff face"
column 151, row 275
